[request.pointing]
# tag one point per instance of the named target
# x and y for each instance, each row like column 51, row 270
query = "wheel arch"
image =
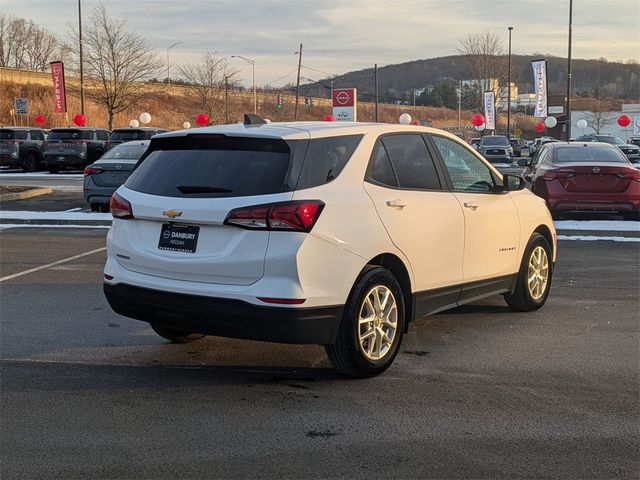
column 546, row 233
column 397, row 267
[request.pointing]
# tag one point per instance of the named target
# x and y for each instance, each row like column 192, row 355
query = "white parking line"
column 53, row 264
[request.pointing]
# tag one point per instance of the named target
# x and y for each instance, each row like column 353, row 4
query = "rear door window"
column 411, row 161
column 213, row 166
column 37, row 135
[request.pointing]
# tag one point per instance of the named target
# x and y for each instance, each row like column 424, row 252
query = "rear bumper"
column 226, row 317
column 593, row 206
column 8, row 160
column 64, row 160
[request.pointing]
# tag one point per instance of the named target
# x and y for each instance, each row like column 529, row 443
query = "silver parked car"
column 104, row 176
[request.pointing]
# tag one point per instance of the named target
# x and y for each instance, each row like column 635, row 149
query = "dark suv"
column 73, row 148
column 21, row 147
column 631, row 151
column 121, row 135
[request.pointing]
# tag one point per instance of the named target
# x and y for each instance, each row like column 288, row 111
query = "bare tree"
column 209, row 79
column 23, row 44
column 599, row 115
column 488, row 63
column 116, row 62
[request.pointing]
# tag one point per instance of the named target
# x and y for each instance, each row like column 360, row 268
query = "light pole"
column 299, row 52
column 568, row 115
column 509, row 87
column 80, row 45
column 169, row 48
column 253, row 70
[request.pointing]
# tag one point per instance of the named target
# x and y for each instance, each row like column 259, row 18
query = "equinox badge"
column 172, row 213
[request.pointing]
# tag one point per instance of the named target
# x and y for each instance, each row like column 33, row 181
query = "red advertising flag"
column 59, row 90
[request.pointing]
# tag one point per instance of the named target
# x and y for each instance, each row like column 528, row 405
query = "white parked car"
column 337, row 234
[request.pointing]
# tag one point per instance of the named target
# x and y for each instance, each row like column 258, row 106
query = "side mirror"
column 524, row 162
column 512, row 183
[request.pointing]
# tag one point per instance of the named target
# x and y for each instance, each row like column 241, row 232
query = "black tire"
column 347, row 354
column 632, row 216
column 521, row 298
column 95, row 207
column 30, row 163
column 53, row 169
column 176, row 336
column 97, row 154
column 555, row 215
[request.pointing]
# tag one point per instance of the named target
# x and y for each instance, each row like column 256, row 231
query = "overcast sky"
column 345, row 35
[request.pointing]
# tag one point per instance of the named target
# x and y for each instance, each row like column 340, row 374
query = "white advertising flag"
column 540, row 84
column 489, row 110
column 636, row 126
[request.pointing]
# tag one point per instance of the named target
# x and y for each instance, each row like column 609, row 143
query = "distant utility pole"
column 299, row 52
column 226, row 99
column 80, row 45
column 168, row 64
column 375, row 81
column 568, row 114
column 459, row 105
column 509, row 87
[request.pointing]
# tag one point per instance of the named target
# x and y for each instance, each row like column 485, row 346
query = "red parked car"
column 585, row 177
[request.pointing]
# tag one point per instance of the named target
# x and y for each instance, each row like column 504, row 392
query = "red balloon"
column 328, row 118
column 79, row 120
column 539, row 127
column 39, row 119
column 477, row 120
column 202, row 119
column 624, row 120
column 415, row 122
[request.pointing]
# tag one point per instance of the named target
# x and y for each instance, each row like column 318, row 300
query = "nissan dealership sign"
column 345, row 105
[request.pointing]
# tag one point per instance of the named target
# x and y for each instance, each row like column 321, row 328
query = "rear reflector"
column 297, row 216
column 120, row 207
column 282, row 301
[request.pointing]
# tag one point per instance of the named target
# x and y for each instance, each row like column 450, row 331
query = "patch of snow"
column 39, row 176
column 598, row 225
column 586, row 238
column 4, row 226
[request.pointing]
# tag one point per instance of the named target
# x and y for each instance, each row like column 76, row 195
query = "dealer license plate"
column 179, row 238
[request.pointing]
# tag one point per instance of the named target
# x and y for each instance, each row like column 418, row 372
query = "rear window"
column 70, row 135
column 213, row 166
column 586, row 154
column 127, row 135
column 13, row 134
column 491, row 140
column 130, row 152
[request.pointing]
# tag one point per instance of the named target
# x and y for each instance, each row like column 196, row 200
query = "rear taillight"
column 297, row 216
column 91, row 171
column 120, row 207
column 635, row 176
column 556, row 174
column 14, row 142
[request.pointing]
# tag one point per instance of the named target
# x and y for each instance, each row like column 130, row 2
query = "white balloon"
column 405, row 119
column 134, row 123
column 186, row 125
column 550, row 122
column 267, row 120
column 145, row 118
column 582, row 123
column 480, row 127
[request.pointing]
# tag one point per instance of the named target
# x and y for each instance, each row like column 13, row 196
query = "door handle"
column 397, row 203
column 471, row 205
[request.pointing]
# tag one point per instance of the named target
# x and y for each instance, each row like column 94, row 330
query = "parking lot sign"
column 21, row 106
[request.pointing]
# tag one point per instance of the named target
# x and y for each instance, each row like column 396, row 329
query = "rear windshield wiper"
column 186, row 189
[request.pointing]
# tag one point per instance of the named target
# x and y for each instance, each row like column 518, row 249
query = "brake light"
column 557, row 174
column 297, row 216
column 91, row 171
column 120, row 207
column 635, row 176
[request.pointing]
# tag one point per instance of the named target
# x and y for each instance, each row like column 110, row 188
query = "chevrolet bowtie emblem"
column 171, row 213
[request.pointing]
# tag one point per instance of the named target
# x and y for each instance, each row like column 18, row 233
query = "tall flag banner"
column 59, row 89
column 489, row 110
column 540, row 84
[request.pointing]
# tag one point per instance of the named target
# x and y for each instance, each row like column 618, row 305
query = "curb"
column 598, row 233
column 34, row 192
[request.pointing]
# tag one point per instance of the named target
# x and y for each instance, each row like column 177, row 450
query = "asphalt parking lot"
column 479, row 392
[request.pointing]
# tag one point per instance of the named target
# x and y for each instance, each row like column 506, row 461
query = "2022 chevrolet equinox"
column 329, row 233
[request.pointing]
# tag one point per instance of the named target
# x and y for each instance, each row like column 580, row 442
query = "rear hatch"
column 184, row 190
column 65, row 142
column 598, row 178
column 10, row 141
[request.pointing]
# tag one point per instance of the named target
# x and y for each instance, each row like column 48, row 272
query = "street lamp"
column 253, row 69
column 509, row 87
column 169, row 48
column 568, row 114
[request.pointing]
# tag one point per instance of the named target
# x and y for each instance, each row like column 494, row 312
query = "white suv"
column 336, row 234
